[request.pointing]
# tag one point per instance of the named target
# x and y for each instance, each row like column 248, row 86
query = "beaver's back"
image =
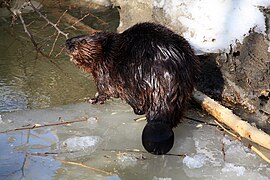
column 157, row 69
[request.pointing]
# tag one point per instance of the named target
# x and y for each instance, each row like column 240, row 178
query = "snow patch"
column 229, row 167
column 213, row 26
column 159, row 3
column 195, row 162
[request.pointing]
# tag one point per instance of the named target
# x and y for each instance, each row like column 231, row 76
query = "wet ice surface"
column 108, row 146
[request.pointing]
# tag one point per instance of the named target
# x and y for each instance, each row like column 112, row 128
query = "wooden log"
column 226, row 116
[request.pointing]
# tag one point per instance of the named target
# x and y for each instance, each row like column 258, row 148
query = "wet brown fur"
column 148, row 66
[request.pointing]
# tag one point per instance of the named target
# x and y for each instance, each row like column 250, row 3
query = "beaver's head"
column 86, row 50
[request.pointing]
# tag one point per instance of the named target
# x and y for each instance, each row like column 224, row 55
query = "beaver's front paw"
column 138, row 111
column 99, row 99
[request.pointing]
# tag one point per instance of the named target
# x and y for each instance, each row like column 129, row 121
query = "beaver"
column 149, row 66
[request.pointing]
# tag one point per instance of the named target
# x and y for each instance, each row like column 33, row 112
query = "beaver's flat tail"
column 157, row 137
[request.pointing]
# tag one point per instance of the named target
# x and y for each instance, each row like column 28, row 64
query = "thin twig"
column 86, row 166
column 33, row 40
column 79, row 20
column 60, row 52
column 200, row 121
column 26, row 30
column 45, row 125
column 229, row 132
column 75, row 163
column 59, row 19
column 99, row 19
column 55, row 40
column 260, row 154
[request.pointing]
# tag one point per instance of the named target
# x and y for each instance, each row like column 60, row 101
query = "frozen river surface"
column 106, row 144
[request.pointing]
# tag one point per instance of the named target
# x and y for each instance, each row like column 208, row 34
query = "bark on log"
column 227, row 117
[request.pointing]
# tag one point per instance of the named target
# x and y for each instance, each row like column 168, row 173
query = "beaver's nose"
column 70, row 45
column 68, row 42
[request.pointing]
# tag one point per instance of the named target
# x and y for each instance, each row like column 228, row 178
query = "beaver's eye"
column 83, row 41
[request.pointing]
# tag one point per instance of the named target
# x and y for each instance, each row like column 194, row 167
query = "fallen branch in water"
column 54, row 25
column 44, row 125
column 226, row 116
column 17, row 12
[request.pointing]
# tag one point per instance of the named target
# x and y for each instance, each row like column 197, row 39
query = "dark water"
column 29, row 80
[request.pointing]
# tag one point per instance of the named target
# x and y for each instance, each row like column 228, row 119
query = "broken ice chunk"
column 195, row 162
column 86, row 143
column 125, row 160
column 229, row 167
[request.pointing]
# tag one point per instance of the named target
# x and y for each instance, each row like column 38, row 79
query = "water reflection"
column 36, row 83
column 29, row 80
column 16, row 159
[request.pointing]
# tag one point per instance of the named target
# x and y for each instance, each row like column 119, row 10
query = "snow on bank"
column 212, row 26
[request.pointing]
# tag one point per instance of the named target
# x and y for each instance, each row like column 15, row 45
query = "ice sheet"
column 110, row 141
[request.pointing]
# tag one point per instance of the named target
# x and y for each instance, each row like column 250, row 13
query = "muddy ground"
column 240, row 79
